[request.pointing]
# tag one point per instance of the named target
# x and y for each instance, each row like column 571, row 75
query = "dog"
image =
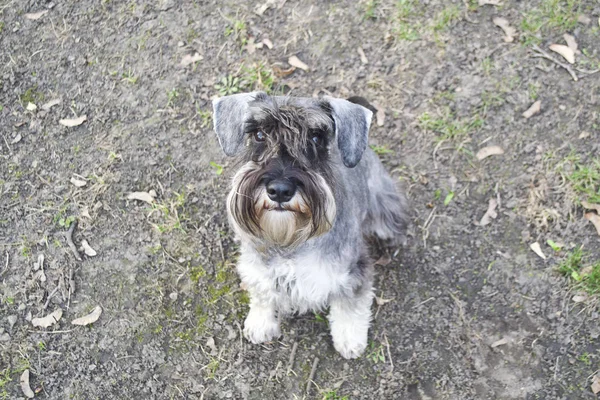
column 306, row 197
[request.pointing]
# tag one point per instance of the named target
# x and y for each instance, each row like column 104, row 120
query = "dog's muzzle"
column 281, row 190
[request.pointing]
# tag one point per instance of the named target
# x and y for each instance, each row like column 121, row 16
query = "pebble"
column 12, row 320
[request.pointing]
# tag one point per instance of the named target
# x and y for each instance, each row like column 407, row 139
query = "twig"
column 69, row 237
column 5, row 266
column 50, row 296
column 312, row 375
column 543, row 54
column 71, row 287
column 387, row 344
column 292, row 357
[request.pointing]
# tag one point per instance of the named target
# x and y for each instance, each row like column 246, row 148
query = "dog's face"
column 290, row 149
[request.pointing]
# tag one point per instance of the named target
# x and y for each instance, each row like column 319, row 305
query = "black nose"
column 281, row 190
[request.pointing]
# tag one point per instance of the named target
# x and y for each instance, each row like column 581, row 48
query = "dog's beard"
column 310, row 213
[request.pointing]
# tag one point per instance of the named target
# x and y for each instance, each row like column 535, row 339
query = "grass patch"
column 403, row 28
column 585, row 180
column 333, row 395
column 551, row 14
column 448, row 126
column 32, row 95
column 446, row 18
column 381, row 150
column 585, row 278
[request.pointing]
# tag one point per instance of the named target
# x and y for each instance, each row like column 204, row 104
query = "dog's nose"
column 281, row 190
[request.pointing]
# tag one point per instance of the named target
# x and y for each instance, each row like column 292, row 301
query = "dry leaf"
column 584, row 19
column 381, row 301
column 579, row 298
column 78, row 182
column 363, row 57
column 47, row 106
column 567, row 53
column 48, row 320
column 591, row 206
column 280, row 73
column 490, row 2
column 295, row 62
column 490, row 213
column 500, row 342
column 537, row 250
column 268, row 43
column 31, row 107
column 594, row 219
column 384, row 260
column 40, row 262
column 584, row 135
column 190, row 59
column 380, row 116
column 73, row 122
column 596, row 384
column 87, row 249
column 489, row 151
column 17, row 139
column 86, row 212
column 90, row 318
column 24, row 381
column 571, row 42
column 142, row 196
column 534, row 109
column 509, row 31
column 35, row 16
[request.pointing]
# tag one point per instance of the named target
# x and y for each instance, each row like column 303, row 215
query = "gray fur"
column 329, row 268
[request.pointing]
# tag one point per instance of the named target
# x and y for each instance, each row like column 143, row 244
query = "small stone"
column 173, row 296
column 12, row 320
column 92, row 367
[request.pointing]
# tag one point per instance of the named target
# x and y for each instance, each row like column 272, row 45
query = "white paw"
column 350, row 340
column 261, row 326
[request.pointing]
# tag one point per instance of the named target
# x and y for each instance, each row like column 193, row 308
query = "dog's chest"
column 299, row 284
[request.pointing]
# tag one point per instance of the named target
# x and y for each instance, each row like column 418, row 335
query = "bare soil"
column 465, row 311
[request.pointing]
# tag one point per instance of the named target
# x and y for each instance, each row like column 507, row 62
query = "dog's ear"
column 229, row 116
column 352, row 122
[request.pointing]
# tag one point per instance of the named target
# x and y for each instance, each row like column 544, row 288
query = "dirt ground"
column 465, row 310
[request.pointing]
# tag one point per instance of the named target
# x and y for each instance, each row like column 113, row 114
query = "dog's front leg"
column 261, row 324
column 349, row 318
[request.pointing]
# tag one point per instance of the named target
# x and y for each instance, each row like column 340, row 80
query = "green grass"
column 228, row 85
column 32, row 95
column 445, row 18
column 381, row 150
column 582, row 277
column 585, row 180
column 449, row 127
column 333, row 395
column 257, row 77
column 551, row 14
column 369, row 9
column 404, row 28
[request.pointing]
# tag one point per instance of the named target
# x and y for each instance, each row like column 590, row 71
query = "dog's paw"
column 349, row 339
column 261, row 327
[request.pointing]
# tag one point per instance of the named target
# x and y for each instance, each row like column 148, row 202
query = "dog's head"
column 290, row 148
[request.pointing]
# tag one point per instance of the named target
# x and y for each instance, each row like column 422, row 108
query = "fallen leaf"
column 48, row 320
column 363, row 57
column 384, row 260
column 24, row 381
column 47, row 106
column 190, row 59
column 280, row 73
column 489, row 151
column 86, row 212
column 509, row 31
column 380, row 116
column 571, row 43
column 591, row 206
column 17, row 139
column 381, row 301
column 40, row 262
column 567, row 53
column 210, row 343
column 500, row 342
column 73, row 122
column 142, row 196
column 586, row 270
column 594, row 219
column 295, row 62
column 534, row 109
column 537, row 250
column 31, row 107
column 596, row 384
column 268, row 43
column 584, row 19
column 490, row 2
column 78, row 182
column 584, row 135
column 88, row 319
column 35, row 16
column 579, row 298
column 490, row 213
column 87, row 249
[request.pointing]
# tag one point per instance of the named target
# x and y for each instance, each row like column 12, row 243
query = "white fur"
column 350, row 324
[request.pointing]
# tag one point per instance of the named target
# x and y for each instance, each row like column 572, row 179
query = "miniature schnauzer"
column 305, row 198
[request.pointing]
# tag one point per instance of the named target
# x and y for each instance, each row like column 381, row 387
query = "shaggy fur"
column 308, row 252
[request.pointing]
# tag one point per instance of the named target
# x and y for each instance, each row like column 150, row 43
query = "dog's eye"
column 316, row 140
column 259, row 136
